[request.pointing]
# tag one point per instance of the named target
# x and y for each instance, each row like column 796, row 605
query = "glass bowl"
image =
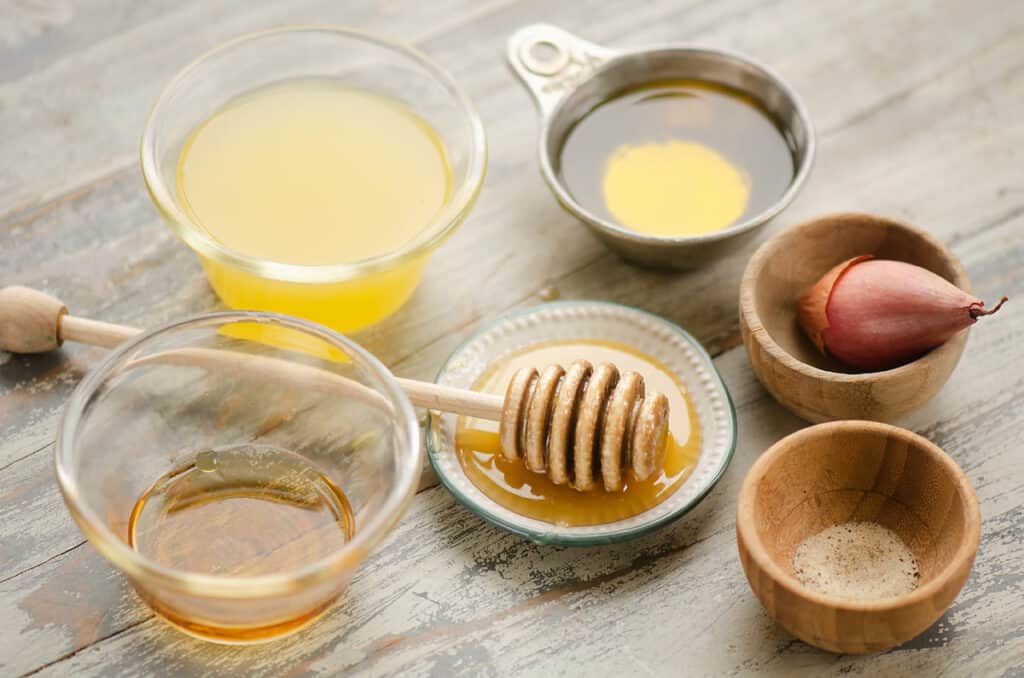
column 670, row 345
column 237, row 466
column 344, row 296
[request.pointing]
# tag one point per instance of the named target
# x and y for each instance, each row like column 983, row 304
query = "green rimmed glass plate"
column 574, row 320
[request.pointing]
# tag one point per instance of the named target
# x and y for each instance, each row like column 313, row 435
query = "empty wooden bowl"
column 809, row 384
column 845, row 471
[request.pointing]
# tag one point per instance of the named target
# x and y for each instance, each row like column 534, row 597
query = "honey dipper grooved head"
column 589, row 423
column 538, row 417
column 584, row 426
column 563, row 421
column 513, row 416
column 649, row 434
column 618, row 428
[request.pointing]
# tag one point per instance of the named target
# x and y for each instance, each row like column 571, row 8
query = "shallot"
column 876, row 314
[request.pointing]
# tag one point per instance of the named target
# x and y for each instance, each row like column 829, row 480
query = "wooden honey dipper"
column 585, row 426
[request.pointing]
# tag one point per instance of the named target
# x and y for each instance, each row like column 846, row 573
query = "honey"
column 313, row 172
column 677, row 157
column 242, row 511
column 512, row 485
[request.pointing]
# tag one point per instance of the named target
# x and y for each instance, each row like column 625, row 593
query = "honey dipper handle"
column 451, row 399
column 34, row 322
column 94, row 332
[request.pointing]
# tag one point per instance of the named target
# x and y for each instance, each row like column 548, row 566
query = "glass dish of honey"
column 465, row 452
column 231, row 478
column 313, row 170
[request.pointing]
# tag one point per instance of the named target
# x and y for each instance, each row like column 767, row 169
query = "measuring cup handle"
column 552, row 62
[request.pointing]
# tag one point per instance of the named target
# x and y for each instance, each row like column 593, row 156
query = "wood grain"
column 856, row 471
column 804, row 379
column 919, row 111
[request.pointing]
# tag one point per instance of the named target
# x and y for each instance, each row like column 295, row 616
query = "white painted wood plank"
column 447, row 582
column 919, row 106
column 473, row 599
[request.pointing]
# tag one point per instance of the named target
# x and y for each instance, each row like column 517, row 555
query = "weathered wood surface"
column 920, row 112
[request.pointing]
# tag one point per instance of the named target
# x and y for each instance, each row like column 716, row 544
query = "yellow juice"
column 313, row 172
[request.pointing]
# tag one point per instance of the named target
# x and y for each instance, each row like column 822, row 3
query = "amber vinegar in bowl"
column 237, row 500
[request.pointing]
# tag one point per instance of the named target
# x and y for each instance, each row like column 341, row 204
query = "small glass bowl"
column 222, row 380
column 344, row 296
column 592, row 320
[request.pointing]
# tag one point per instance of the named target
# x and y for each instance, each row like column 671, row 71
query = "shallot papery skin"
column 875, row 314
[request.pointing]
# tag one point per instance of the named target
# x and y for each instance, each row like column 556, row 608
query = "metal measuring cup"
column 568, row 77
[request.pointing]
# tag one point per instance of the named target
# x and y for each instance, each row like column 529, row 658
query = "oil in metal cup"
column 569, row 77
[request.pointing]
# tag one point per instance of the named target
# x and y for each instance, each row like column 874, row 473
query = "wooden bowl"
column 856, row 471
column 809, row 384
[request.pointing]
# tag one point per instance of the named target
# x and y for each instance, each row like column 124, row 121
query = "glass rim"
column 135, row 564
column 443, row 224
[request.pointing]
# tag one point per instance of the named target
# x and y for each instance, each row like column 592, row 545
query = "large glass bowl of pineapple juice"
column 314, row 169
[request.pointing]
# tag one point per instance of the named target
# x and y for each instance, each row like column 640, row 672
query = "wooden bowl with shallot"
column 855, row 316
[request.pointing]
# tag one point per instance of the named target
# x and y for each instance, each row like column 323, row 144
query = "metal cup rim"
column 608, row 59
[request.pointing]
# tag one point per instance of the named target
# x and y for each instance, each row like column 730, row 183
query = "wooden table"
column 920, row 114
